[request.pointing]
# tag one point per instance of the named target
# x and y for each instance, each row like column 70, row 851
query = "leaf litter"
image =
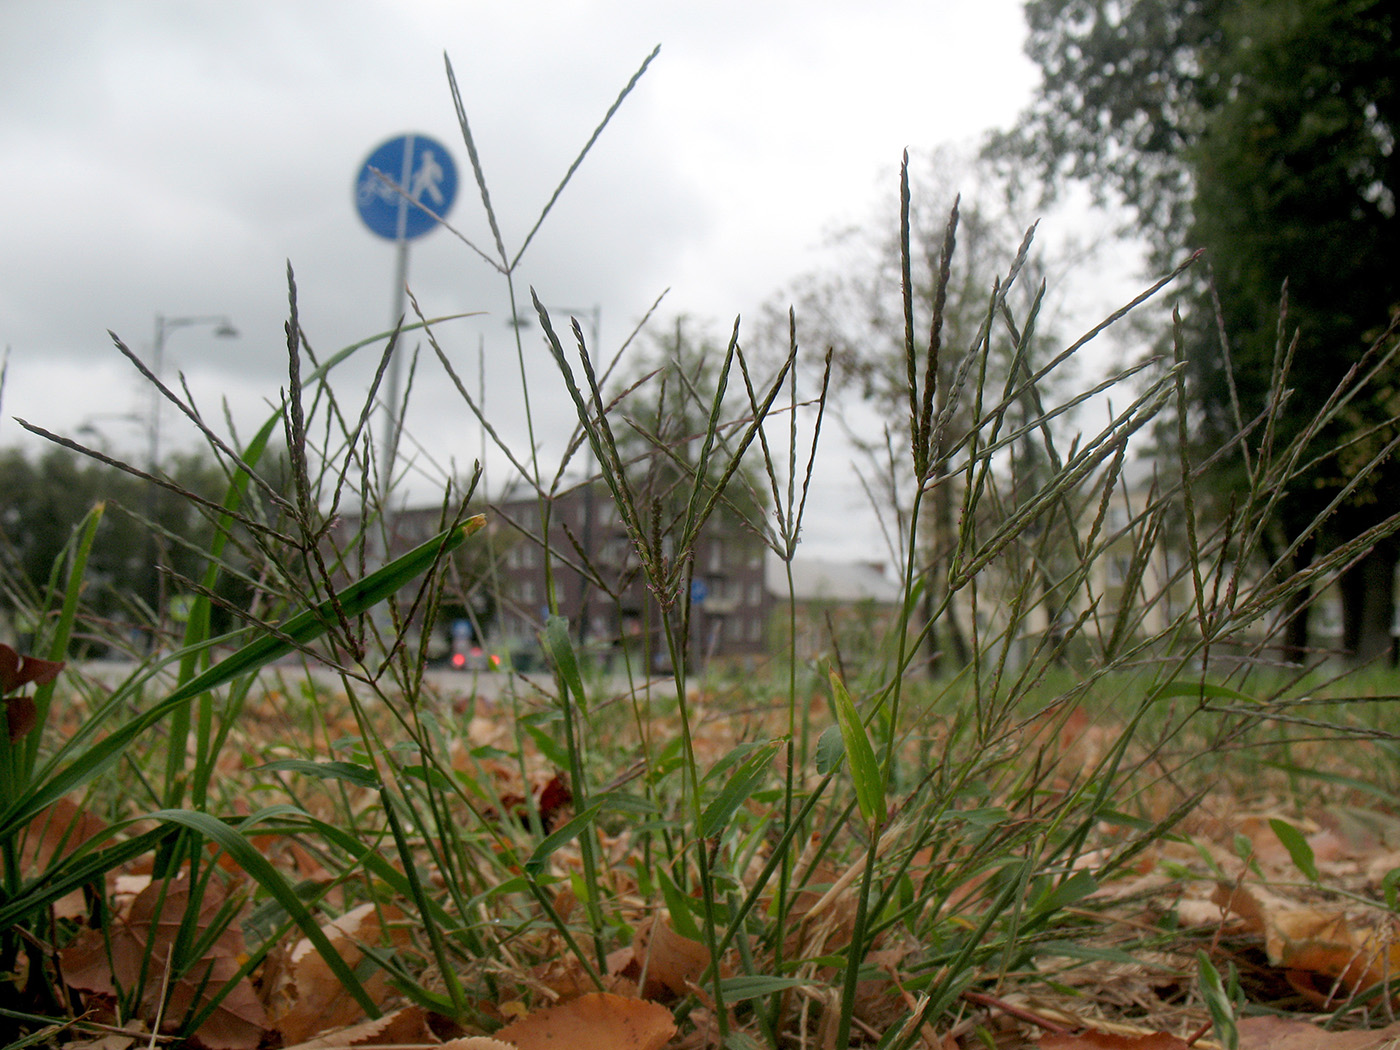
column 1289, row 904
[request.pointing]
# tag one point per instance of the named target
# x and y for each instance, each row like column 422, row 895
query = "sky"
column 172, row 158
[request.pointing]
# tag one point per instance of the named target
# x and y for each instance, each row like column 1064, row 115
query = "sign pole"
column 402, row 211
column 390, row 445
column 392, row 422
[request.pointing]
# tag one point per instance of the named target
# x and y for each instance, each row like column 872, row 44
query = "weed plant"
column 851, row 852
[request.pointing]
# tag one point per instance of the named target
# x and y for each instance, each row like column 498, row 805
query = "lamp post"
column 595, row 318
column 224, row 329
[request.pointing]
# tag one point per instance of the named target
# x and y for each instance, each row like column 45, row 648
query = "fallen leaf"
column 310, row 998
column 134, row 1033
column 405, row 1026
column 55, row 832
column 1277, row 1033
column 21, row 716
column 1320, row 950
column 597, row 1021
column 670, row 962
column 17, row 670
column 133, row 957
column 567, row 979
column 1092, row 1040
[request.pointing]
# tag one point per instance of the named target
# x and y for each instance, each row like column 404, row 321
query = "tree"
column 48, row 495
column 1263, row 131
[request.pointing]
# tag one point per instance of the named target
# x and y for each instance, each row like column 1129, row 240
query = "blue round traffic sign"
column 399, row 180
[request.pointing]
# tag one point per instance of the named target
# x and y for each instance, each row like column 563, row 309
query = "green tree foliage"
column 1263, row 131
column 48, row 494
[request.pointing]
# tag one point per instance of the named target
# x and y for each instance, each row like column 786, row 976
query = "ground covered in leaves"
column 1266, row 918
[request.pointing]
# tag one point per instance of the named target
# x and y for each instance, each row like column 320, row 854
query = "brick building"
column 612, row 606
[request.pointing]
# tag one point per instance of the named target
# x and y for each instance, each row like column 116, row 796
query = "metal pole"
column 392, row 422
column 223, row 328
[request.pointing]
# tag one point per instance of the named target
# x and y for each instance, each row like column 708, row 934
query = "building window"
column 715, row 562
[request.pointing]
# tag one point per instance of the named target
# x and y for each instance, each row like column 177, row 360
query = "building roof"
column 816, row 580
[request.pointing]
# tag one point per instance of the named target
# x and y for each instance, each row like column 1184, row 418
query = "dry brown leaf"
column 310, row 998
column 566, row 978
column 477, row 1042
column 1195, row 911
column 1092, row 1040
column 135, row 1032
column 1318, row 947
column 1243, row 903
column 597, row 1021
column 55, row 832
column 141, row 942
column 670, row 962
column 1278, row 1033
column 406, row 1026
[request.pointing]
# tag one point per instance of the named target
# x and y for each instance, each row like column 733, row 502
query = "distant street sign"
column 699, row 591
column 417, row 173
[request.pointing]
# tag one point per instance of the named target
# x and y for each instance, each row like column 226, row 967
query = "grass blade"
column 865, row 770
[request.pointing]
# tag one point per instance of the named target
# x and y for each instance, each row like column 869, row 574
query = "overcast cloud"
column 170, row 157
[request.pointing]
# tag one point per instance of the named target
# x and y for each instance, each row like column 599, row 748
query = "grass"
column 845, row 853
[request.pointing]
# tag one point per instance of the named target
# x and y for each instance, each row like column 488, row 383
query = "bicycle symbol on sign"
column 425, row 181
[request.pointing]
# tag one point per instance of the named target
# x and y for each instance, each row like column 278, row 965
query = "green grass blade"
column 197, row 630
column 743, row 782
column 1297, row 847
column 351, row 772
column 1222, row 1011
column 534, row 866
column 561, row 653
column 63, row 631
column 85, row 866
column 865, row 770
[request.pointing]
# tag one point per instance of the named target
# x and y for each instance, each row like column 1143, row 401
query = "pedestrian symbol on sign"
column 426, row 178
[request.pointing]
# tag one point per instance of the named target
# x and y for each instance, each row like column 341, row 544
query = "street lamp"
column 224, row 329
